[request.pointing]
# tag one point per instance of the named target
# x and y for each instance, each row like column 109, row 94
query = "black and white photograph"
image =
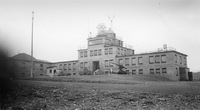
column 99, row 55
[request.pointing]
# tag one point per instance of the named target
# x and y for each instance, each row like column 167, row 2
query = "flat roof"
column 152, row 53
column 67, row 61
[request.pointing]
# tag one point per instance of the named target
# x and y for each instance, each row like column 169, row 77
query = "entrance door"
column 182, row 72
column 95, row 65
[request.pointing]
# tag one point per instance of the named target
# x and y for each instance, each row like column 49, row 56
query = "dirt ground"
column 149, row 95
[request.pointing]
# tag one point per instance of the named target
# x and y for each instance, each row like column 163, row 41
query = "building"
column 20, row 65
column 102, row 51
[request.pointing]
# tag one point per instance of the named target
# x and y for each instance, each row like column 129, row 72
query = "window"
column 65, row 66
column 106, row 51
column 41, row 66
column 69, row 66
column 163, row 59
column 127, row 71
column 133, row 61
column 157, row 70
column 81, row 54
column 54, row 71
column 151, row 71
column 175, row 58
column 81, row 65
column 185, row 61
column 140, row 62
column 157, row 59
column 110, row 50
column 74, row 66
column 50, row 71
column 91, row 52
column 118, row 51
column 99, row 52
column 140, row 71
column 106, row 63
column 176, row 71
column 180, row 60
column 86, row 64
column 122, row 52
column 74, row 73
column 95, row 52
column 111, row 61
column 85, row 54
column 120, row 61
column 133, row 72
column 106, row 72
column 126, row 61
column 151, row 59
column 164, row 70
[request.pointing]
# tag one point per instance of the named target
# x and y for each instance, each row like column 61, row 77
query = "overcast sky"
column 61, row 26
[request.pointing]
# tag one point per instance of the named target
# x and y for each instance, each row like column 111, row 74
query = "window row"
column 133, row 61
column 157, row 59
column 68, row 66
column 83, row 65
column 95, row 52
column 108, row 51
column 108, row 63
column 121, row 51
column 180, row 60
column 152, row 71
column 83, row 54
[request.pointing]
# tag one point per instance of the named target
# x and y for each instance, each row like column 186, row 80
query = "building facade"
column 103, row 52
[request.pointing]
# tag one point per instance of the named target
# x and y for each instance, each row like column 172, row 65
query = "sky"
column 62, row 26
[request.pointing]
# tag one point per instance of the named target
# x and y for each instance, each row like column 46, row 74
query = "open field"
column 95, row 94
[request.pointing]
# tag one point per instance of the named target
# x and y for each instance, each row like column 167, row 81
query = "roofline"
column 29, row 60
column 66, row 61
column 152, row 53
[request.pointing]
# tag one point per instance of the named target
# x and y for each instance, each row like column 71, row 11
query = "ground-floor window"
column 133, row 72
column 151, row 71
column 106, row 72
column 164, row 70
column 157, row 70
column 74, row 73
column 140, row 71
column 127, row 71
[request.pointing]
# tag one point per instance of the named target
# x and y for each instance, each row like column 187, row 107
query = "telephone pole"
column 32, row 45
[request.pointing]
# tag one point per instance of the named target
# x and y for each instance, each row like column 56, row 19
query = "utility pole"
column 32, row 45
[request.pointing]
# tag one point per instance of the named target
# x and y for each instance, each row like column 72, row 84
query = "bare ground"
column 147, row 95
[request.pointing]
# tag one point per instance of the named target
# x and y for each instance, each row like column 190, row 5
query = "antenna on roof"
column 111, row 21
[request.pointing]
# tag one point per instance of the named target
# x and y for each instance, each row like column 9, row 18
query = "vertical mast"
column 32, row 45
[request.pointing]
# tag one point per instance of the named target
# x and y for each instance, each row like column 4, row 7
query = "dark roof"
column 152, row 53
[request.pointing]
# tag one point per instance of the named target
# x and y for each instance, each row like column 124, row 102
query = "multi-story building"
column 102, row 51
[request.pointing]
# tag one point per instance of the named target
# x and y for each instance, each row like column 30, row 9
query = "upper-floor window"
column 91, row 52
column 185, row 61
column 163, row 59
column 140, row 60
column 41, row 66
column 180, row 60
column 118, row 51
column 99, row 52
column 81, row 54
column 74, row 66
column 85, row 53
column 133, row 61
column 106, row 51
column 95, row 52
column 124, row 52
column 176, row 58
column 151, row 59
column 65, row 66
column 110, row 50
column 126, row 61
column 157, row 59
column 69, row 66
column 81, row 65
